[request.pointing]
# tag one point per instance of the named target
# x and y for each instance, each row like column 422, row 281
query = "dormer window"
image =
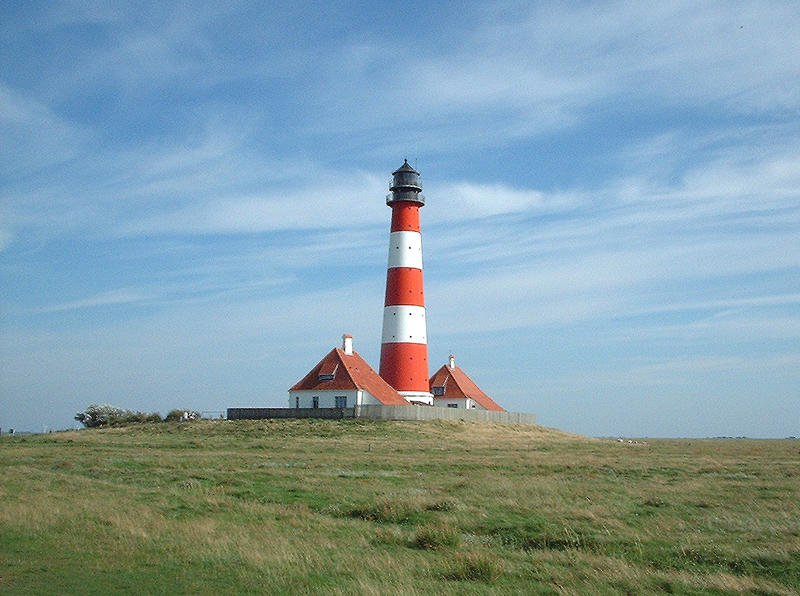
column 328, row 371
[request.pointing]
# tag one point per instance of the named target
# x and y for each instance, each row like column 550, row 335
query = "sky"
column 192, row 204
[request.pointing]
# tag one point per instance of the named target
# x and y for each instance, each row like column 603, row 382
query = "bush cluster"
column 108, row 415
column 97, row 415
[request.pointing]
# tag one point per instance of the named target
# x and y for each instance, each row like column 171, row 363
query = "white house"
column 343, row 379
column 452, row 388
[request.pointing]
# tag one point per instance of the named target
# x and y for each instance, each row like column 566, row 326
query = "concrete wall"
column 385, row 413
column 436, row 413
column 260, row 413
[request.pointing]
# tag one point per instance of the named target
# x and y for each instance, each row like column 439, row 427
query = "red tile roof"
column 457, row 385
column 349, row 372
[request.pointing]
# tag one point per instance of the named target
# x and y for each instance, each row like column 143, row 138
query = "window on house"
column 296, row 401
column 315, row 401
column 452, row 405
column 438, row 390
column 341, row 401
column 328, row 371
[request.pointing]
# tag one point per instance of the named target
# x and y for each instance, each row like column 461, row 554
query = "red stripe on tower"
column 404, row 346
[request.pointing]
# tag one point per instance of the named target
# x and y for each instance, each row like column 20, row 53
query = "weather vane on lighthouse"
column 404, row 349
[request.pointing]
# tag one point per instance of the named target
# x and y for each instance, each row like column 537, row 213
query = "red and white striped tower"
column 404, row 348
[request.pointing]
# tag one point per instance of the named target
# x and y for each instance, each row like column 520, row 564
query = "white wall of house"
column 460, row 403
column 327, row 399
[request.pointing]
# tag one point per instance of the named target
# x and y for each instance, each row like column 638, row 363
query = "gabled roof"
column 349, row 371
column 457, row 385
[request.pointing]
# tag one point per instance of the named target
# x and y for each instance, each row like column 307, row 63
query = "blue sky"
column 192, row 204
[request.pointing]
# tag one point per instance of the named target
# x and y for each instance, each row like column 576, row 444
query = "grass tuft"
column 444, row 505
column 389, row 511
column 534, row 534
column 472, row 567
column 436, row 537
column 655, row 502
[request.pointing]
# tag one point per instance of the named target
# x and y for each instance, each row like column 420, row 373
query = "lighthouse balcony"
column 409, row 196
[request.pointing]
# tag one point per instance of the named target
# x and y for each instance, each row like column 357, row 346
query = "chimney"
column 452, row 362
column 347, row 344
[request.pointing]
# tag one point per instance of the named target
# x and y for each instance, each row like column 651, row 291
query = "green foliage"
column 97, row 415
column 107, row 415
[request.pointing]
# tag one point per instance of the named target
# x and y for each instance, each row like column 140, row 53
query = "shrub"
column 107, row 415
column 101, row 415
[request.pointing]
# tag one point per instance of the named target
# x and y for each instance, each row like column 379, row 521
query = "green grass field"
column 379, row 507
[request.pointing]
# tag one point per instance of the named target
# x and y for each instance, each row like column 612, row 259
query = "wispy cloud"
column 112, row 297
column 34, row 136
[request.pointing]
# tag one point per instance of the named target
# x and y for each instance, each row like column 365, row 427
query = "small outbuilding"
column 452, row 388
column 343, row 379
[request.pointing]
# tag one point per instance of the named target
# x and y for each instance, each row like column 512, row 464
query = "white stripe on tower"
column 405, row 250
column 404, row 323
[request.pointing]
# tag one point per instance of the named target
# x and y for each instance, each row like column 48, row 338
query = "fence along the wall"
column 384, row 413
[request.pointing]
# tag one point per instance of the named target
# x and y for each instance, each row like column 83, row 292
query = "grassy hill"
column 380, row 507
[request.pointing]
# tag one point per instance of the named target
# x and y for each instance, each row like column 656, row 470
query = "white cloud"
column 743, row 56
column 682, row 369
column 517, row 73
column 723, row 304
column 319, row 205
column 34, row 136
column 112, row 297
column 465, row 200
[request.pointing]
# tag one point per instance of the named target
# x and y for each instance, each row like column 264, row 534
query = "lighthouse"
column 404, row 342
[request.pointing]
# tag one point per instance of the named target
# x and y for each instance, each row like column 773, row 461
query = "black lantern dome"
column 405, row 186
